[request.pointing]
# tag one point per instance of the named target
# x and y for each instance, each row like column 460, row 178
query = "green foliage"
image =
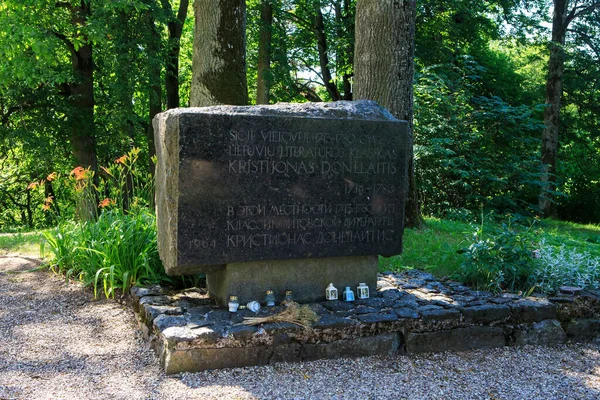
column 517, row 255
column 473, row 150
column 119, row 247
column 114, row 252
column 558, row 266
column 479, row 94
column 499, row 260
column 295, row 71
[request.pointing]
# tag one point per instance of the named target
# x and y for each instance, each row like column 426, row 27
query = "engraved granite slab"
column 274, row 187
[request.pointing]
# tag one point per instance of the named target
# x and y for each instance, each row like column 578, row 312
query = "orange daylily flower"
column 48, row 200
column 51, row 177
column 46, row 207
column 33, row 185
column 79, row 172
column 106, row 202
column 122, row 159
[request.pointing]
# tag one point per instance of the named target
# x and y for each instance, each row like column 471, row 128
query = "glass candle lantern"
column 362, row 291
column 233, row 304
column 331, row 293
column 270, row 299
column 288, row 298
column 348, row 294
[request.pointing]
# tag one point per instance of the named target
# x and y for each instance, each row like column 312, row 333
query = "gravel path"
column 56, row 342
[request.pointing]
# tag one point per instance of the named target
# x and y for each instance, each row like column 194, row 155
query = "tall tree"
column 175, row 28
column 344, row 22
column 264, row 52
column 384, row 69
column 562, row 17
column 219, row 68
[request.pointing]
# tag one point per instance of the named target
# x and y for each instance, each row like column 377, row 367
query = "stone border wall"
column 410, row 313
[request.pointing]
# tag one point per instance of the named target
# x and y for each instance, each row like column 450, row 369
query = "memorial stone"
column 283, row 197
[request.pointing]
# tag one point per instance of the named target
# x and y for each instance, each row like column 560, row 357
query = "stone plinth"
column 306, row 278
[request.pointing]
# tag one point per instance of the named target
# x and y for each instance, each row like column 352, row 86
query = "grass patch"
column 582, row 238
column 26, row 243
column 432, row 248
column 501, row 256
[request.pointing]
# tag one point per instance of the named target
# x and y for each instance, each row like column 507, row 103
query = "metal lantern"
column 331, row 293
column 362, row 291
column 348, row 294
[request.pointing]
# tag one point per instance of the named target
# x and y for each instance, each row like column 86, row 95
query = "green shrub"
column 500, row 260
column 112, row 245
column 557, row 266
column 114, row 252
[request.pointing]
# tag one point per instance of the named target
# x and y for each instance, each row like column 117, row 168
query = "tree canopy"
column 80, row 81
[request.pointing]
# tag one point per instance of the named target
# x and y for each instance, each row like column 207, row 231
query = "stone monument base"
column 306, row 278
column 410, row 313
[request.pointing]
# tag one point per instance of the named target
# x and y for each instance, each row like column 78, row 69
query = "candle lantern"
column 331, row 293
column 233, row 304
column 270, row 299
column 288, row 298
column 362, row 290
column 348, row 294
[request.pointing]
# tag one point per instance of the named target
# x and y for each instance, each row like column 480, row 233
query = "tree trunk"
column 264, row 53
column 556, row 65
column 81, row 96
column 175, row 28
column 81, row 100
column 384, row 69
column 319, row 30
column 219, row 65
column 155, row 89
column 345, row 54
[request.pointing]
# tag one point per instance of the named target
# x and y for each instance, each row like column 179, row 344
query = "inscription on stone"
column 268, row 187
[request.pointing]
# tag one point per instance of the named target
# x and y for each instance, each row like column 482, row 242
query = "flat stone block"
column 149, row 312
column 333, row 321
column 377, row 317
column 287, row 181
column 201, row 359
column 242, row 332
column 306, row 278
column 164, row 321
column 409, row 313
column 439, row 314
column 486, row 314
column 460, row 339
column 548, row 332
column 530, row 310
column 583, row 329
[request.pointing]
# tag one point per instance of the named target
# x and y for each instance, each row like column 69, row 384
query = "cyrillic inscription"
column 261, row 188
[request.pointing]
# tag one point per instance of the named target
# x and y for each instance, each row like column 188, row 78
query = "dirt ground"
column 57, row 342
